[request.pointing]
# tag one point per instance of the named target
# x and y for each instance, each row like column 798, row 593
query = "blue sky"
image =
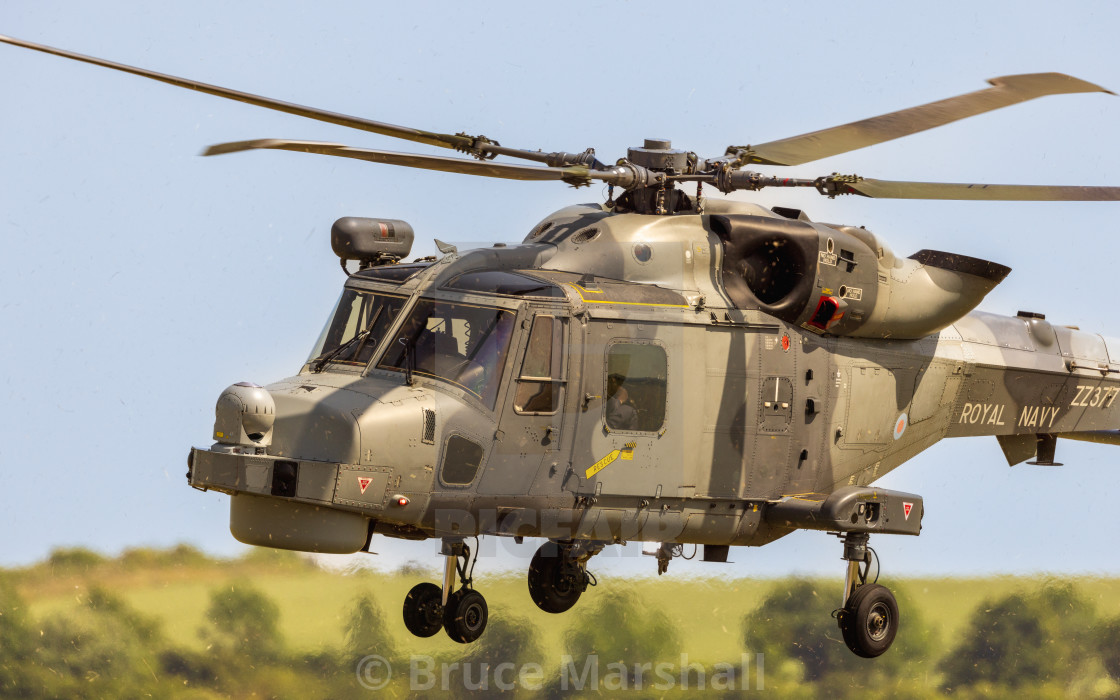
column 140, row 279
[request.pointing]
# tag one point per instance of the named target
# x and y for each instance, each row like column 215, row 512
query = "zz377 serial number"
column 1094, row 396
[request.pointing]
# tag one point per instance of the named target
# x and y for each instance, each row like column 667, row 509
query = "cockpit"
column 356, row 328
column 462, row 341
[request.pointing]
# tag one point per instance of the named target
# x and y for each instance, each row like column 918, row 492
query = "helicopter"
column 662, row 367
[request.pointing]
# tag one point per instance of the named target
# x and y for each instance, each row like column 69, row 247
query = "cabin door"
column 532, row 420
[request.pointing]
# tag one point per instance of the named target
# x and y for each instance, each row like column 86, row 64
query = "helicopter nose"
column 317, row 422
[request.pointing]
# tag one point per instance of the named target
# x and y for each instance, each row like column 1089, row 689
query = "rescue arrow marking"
column 626, row 452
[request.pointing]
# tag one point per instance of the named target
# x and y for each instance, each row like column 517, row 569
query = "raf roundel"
column 900, row 426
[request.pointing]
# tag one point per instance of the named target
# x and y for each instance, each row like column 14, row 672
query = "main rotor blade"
column 892, row 189
column 507, row 171
column 457, row 141
column 1005, row 91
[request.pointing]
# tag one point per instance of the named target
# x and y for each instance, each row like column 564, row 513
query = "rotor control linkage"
column 727, row 180
column 484, row 148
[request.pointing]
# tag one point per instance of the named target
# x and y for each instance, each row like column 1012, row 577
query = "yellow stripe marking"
column 625, row 303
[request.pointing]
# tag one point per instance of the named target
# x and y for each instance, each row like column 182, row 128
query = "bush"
column 104, row 649
column 74, row 559
column 150, row 558
column 619, row 629
column 1024, row 639
column 1108, row 646
column 243, row 623
column 366, row 632
column 16, row 643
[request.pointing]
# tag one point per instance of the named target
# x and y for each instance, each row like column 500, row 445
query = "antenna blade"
column 1005, row 91
column 507, row 171
column 892, row 189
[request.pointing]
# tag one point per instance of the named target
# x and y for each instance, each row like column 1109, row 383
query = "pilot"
column 490, row 332
column 621, row 415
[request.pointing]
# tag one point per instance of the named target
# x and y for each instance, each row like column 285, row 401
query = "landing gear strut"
column 462, row 613
column 868, row 616
column 558, row 574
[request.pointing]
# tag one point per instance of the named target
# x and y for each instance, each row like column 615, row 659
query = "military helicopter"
column 661, row 367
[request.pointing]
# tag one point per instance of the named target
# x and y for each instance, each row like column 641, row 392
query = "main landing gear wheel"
column 868, row 617
column 556, row 581
column 464, row 617
column 428, row 608
column 870, row 620
column 423, row 611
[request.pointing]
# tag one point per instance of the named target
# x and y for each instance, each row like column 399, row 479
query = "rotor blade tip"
column 220, row 149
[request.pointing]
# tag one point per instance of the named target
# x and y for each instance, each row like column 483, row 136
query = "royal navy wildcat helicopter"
column 661, row 367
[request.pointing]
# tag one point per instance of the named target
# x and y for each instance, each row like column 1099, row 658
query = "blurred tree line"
column 1049, row 642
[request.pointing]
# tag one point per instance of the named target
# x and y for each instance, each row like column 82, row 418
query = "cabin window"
column 459, row 343
column 541, row 378
column 356, row 328
column 505, row 283
column 636, row 387
column 461, row 459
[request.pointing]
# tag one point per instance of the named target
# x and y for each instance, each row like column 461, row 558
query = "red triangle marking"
column 364, row 482
column 906, row 508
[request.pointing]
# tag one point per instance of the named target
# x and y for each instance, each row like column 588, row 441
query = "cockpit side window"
column 460, row 343
column 636, row 387
column 356, row 328
column 541, row 378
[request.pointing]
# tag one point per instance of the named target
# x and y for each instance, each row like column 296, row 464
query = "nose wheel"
column 465, row 615
column 869, row 617
column 461, row 613
column 423, row 609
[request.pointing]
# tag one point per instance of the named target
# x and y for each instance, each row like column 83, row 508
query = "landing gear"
column 558, row 574
column 868, row 617
column 423, row 609
column 465, row 615
column 462, row 613
column 870, row 620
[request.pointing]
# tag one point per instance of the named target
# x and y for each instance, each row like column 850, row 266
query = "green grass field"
column 314, row 603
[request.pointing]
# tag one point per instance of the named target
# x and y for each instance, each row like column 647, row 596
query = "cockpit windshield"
column 460, row 343
column 357, row 326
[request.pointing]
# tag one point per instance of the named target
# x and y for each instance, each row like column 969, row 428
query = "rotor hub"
column 659, row 155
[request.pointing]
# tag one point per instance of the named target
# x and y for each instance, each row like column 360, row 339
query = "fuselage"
column 597, row 382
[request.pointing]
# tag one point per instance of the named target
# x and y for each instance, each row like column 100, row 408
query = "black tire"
column 423, row 609
column 870, row 621
column 554, row 587
column 464, row 618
